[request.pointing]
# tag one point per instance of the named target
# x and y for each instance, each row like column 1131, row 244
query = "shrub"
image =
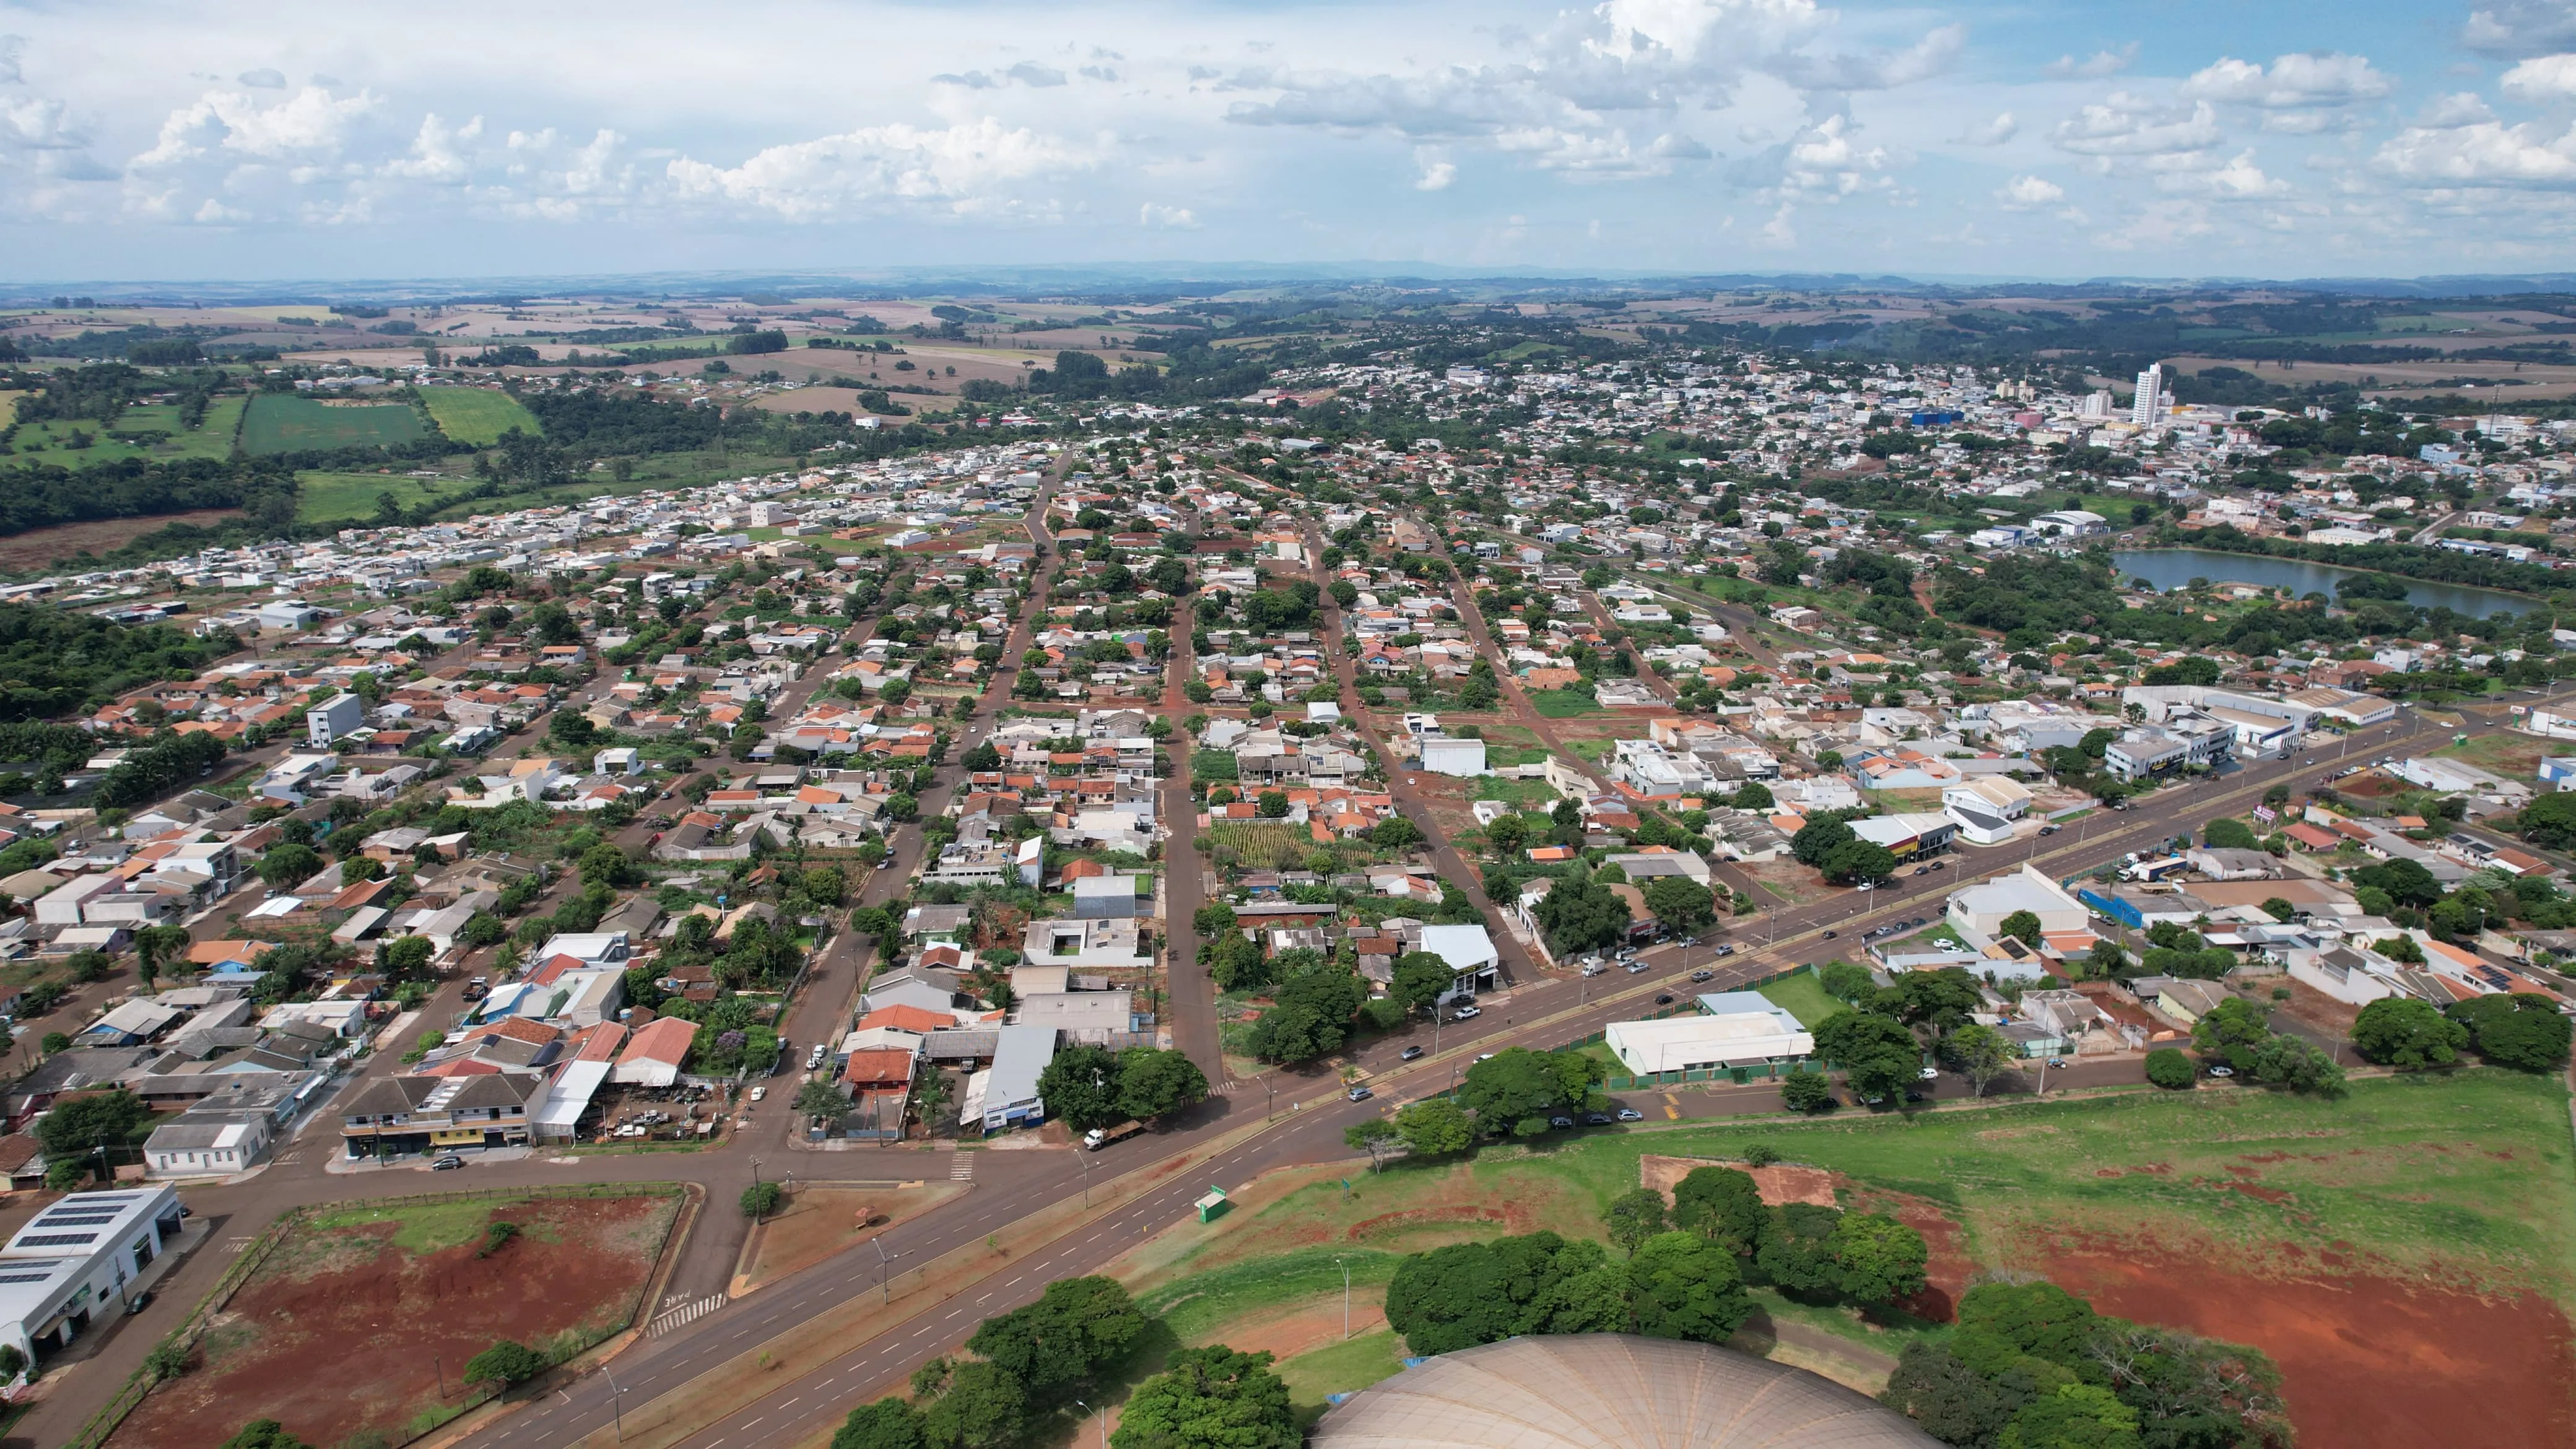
column 761, row 1199
column 505, row 1363
column 2170, row 1069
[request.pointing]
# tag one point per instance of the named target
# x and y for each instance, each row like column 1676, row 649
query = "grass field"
column 47, row 442
column 478, row 415
column 283, row 424
column 1805, row 997
column 324, row 497
column 1519, row 794
column 2514, row 756
column 1563, row 703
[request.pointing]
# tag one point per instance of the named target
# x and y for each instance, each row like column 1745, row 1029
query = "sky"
column 2024, row 138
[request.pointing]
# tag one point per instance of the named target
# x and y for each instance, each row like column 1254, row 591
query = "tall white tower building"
column 2151, row 387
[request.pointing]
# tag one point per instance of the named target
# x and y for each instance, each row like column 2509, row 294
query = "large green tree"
column 1080, row 1087
column 1580, row 914
column 1683, row 905
column 1210, row 1398
column 1878, row 1259
column 1723, row 1205
column 1434, row 1126
column 2523, row 1031
column 2401, row 1032
column 1681, row 1285
column 1877, row 1054
column 1055, row 1346
column 889, row 1423
column 1157, row 1083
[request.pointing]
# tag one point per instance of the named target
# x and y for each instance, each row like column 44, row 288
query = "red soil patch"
column 1949, row 1270
column 1517, row 1217
column 341, row 1333
column 1779, row 1184
column 33, row 550
column 2366, row 1362
column 1305, row 1330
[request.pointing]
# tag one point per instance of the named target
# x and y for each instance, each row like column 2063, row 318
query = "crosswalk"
column 684, row 1314
column 961, row 1167
column 235, row 1245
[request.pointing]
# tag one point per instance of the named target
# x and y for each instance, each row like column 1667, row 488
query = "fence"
column 144, row 1380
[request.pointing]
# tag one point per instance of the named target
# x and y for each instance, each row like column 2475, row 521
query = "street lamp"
column 616, row 1402
column 885, row 1281
column 755, row 1191
column 1103, row 1412
column 1346, row 1298
column 1082, row 1159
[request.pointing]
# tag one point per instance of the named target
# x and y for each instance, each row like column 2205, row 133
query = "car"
column 1725, row 951
column 1411, row 1053
column 1636, row 966
column 1484, row 1056
column 1703, row 974
column 1631, row 1114
column 1829, row 935
column 1560, row 1122
column 1940, row 865
column 1929, row 1074
column 1596, row 1119
column 1922, row 870
column 2050, row 829
column 759, row 1093
column 446, row 1162
column 1359, row 1094
column 139, row 1301
column 1663, row 998
column 1467, row 1013
column 2060, row 1063
column 2222, row 1071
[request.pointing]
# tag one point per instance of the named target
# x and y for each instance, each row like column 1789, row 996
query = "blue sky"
column 2159, row 138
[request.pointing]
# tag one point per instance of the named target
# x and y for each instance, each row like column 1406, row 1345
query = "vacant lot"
column 2405, row 1253
column 478, row 415
column 1805, row 997
column 325, row 497
column 824, row 1218
column 34, row 550
column 345, row 1332
column 281, row 424
column 2514, row 756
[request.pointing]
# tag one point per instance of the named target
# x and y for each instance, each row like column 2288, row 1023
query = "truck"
column 1099, row 1137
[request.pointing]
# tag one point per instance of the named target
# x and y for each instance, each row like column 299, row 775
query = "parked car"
column 1930, row 1074
column 1596, row 1119
column 1409, row 1053
column 2222, row 1071
column 2050, row 829
column 445, row 1162
column 1359, row 1094
column 759, row 1093
column 1467, row 1013
column 1631, row 1114
column 1560, row 1122
column 1922, row 870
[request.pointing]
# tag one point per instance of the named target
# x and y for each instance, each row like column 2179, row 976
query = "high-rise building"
column 2143, row 409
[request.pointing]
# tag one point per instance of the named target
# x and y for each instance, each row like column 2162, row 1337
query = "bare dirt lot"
column 36, row 549
column 350, row 1326
column 815, row 399
column 2367, row 1362
column 821, row 1219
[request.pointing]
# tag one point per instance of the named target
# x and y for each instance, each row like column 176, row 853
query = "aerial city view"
column 1674, row 725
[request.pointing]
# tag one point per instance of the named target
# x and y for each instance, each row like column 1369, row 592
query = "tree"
column 1858, row 860
column 1154, row 1083
column 1879, row 1259
column 1210, row 1398
column 1311, row 1018
column 1633, row 1217
column 1419, row 979
column 2523, row 1030
column 1951, row 1401
column 2024, row 926
column 1055, row 1346
column 1846, row 982
column 1374, row 1136
column 2228, row 835
column 2279, row 908
column 507, row 1363
column 980, row 1406
column 1944, row 999
column 287, row 864
column 2076, row 1416
column 1271, row 805
column 1683, row 905
column 77, row 1125
column 2286, row 1061
column 1080, row 1087
column 1506, row 835
column 1517, row 1084
column 408, row 958
column 761, row 1199
column 2171, row 1070
column 2398, row 1031
column 264, row 1434
column 820, row 1099
column 2550, row 821
column 1797, row 1250
column 1470, row 1293
column 824, row 885
column 1804, row 1090
column 2232, row 1030
column 1681, row 1285
column 1818, row 839
column 1434, row 1126
column 1580, row 914
column 1723, row 1205
column 1394, row 833
column 1980, row 1053
column 889, row 1423
column 1878, row 1055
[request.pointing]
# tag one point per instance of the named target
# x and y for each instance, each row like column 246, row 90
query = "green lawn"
column 280, row 423
column 1563, row 703
column 48, row 442
column 2514, row 756
column 323, row 497
column 1342, row 1368
column 1202, row 1303
column 478, row 415
column 1523, row 795
column 1805, row 997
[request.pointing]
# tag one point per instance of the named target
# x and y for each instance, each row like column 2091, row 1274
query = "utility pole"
column 616, row 1402
column 885, row 1280
column 1346, row 1298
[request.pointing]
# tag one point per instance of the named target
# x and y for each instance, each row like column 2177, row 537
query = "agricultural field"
column 278, row 423
column 2361, row 1243
column 477, row 415
column 146, row 430
column 1262, row 846
column 377, row 1294
column 326, row 497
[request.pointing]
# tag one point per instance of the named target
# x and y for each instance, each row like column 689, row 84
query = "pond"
column 2173, row 568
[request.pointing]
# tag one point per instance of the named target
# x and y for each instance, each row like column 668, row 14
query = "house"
column 1443, row 755
column 655, row 1053
column 1005, row 1094
column 397, row 1115
column 225, row 1132
column 1470, row 954
column 332, row 720
column 2187, row 1001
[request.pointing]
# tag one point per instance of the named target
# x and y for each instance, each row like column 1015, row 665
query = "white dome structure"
column 1611, row 1391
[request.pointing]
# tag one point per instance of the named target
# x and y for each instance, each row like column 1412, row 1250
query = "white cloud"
column 1167, row 218
column 263, row 79
column 2464, row 108
column 2522, row 27
column 1830, row 159
column 1879, row 70
column 12, row 50
column 955, row 167
column 1437, row 171
column 2235, row 179
column 2299, row 93
column 2483, row 154
column 2542, row 79
column 437, row 153
column 312, row 124
column 2027, row 193
column 2128, row 125
column 2099, row 64
column 1989, row 133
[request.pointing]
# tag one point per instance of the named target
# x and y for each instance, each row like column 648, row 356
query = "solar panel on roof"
column 24, row 1277
column 75, row 1220
column 58, row 1240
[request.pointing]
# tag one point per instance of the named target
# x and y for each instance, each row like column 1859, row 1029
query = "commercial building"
column 72, row 1262
column 332, row 720
column 1733, row 1030
column 1981, row 909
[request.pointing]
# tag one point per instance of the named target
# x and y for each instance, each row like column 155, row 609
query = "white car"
column 1930, row 1074
column 1467, row 1013
column 759, row 1093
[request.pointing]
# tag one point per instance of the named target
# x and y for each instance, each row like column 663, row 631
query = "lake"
column 2172, row 568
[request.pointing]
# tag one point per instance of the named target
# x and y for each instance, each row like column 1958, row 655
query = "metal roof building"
column 1611, row 1391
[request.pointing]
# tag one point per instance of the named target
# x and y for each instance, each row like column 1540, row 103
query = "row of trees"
column 1513, row 1093
column 1087, row 1086
column 1808, row 1251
